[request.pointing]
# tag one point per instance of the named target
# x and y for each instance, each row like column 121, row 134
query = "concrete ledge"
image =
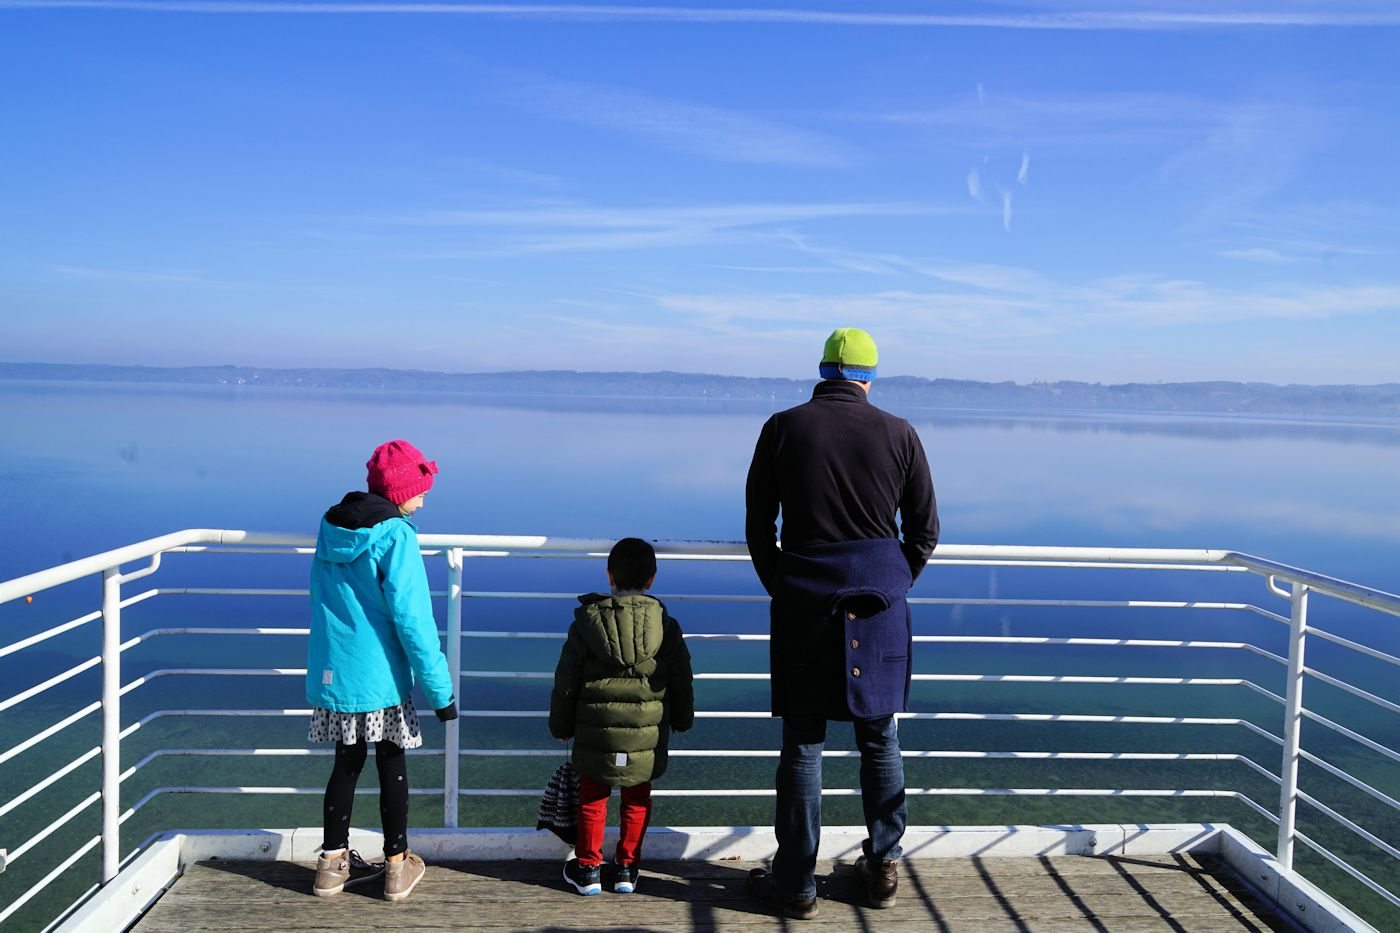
column 1295, row 896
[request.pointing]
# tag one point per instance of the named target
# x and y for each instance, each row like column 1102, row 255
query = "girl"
column 372, row 637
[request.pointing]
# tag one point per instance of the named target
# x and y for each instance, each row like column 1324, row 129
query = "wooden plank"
column 1064, row 893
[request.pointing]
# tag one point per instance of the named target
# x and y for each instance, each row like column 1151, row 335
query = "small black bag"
column 559, row 804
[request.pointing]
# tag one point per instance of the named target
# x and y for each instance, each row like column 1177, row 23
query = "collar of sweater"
column 839, row 390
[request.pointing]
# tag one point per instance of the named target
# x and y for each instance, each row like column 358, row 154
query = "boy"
column 623, row 682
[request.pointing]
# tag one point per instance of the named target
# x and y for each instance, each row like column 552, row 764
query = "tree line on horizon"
column 897, row 391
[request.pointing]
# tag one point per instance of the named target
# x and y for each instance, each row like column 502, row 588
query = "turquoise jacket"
column 372, row 629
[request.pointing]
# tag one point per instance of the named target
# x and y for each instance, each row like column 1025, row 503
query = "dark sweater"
column 838, row 468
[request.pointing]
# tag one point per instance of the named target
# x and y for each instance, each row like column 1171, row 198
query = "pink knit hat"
column 398, row 471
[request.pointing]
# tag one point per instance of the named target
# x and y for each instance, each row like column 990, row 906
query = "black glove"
column 447, row 713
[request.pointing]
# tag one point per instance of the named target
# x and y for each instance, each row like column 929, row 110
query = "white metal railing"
column 1291, row 583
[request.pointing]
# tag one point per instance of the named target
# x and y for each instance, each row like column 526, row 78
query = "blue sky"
column 1016, row 190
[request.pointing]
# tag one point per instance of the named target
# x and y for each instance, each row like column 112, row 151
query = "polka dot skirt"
column 397, row 724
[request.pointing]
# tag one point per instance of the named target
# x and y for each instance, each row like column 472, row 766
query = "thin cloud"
column 1024, row 171
column 981, row 302
column 974, row 183
column 1140, row 20
column 1258, row 254
column 698, row 129
column 561, row 228
column 1006, row 211
column 135, row 276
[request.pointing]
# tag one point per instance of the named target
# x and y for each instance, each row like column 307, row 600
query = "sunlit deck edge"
column 164, row 857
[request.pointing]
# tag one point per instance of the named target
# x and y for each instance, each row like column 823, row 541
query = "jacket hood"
column 351, row 527
column 626, row 630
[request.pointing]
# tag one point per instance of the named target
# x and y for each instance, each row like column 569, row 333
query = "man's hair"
column 632, row 562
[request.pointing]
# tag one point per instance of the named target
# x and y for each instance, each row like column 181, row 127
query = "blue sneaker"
column 626, row 880
column 586, row 880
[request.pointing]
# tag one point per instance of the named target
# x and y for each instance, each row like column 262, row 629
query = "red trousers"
column 593, row 817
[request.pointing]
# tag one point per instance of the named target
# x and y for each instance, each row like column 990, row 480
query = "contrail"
column 1140, row 21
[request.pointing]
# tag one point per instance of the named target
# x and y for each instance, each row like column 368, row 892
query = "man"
column 838, row 469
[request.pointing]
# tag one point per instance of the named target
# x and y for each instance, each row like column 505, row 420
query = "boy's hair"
column 632, row 563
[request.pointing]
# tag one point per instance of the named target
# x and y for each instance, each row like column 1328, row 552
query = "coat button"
column 855, row 672
column 855, row 642
column 851, row 616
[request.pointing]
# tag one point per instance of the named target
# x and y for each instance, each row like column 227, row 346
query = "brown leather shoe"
column 763, row 887
column 880, row 883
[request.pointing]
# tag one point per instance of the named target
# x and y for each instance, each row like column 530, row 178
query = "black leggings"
column 393, row 795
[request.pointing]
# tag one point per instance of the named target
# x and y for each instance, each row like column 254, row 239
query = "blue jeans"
column 798, row 822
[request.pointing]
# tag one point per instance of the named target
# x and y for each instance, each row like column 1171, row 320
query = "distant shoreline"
column 1219, row 398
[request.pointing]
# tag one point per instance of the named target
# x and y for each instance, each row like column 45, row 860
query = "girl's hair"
column 632, row 562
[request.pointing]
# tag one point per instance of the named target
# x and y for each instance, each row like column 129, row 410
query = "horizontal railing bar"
column 56, row 728
column 52, row 779
column 78, row 902
column 909, row 791
column 724, row 636
column 235, row 549
column 1262, row 811
column 211, row 672
column 722, row 792
column 32, row 583
column 546, row 675
column 49, row 684
column 757, row 714
column 1346, row 867
column 1357, row 737
column 1354, row 646
column 600, row 552
column 190, row 630
column 1319, row 583
column 233, row 591
column 1369, row 697
column 1084, row 564
column 1107, row 757
column 1274, row 616
column 49, row 633
column 950, row 716
column 38, row 886
column 53, row 827
column 937, row 678
column 215, row 713
column 1354, row 782
column 260, row 791
column 913, row 600
column 714, row 753
column 1336, row 817
column 250, row 753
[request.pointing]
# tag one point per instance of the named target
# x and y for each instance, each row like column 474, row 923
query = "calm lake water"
column 91, row 467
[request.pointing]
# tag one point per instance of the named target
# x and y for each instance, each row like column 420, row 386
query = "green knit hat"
column 849, row 354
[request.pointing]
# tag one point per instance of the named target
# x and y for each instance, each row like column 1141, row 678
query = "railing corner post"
column 1292, row 725
column 453, row 738
column 111, row 721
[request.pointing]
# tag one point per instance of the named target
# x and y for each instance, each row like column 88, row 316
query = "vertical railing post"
column 1292, row 725
column 454, row 666
column 111, row 721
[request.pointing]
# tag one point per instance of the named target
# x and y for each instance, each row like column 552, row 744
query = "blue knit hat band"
column 845, row 371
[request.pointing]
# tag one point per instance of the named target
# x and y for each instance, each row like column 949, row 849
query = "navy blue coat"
column 842, row 640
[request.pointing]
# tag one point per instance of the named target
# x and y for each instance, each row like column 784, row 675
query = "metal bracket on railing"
column 1274, row 588
column 138, row 574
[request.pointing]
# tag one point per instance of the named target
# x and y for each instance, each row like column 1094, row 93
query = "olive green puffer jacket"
column 623, row 682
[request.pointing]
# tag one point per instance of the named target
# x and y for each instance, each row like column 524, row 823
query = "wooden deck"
column 1168, row 892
